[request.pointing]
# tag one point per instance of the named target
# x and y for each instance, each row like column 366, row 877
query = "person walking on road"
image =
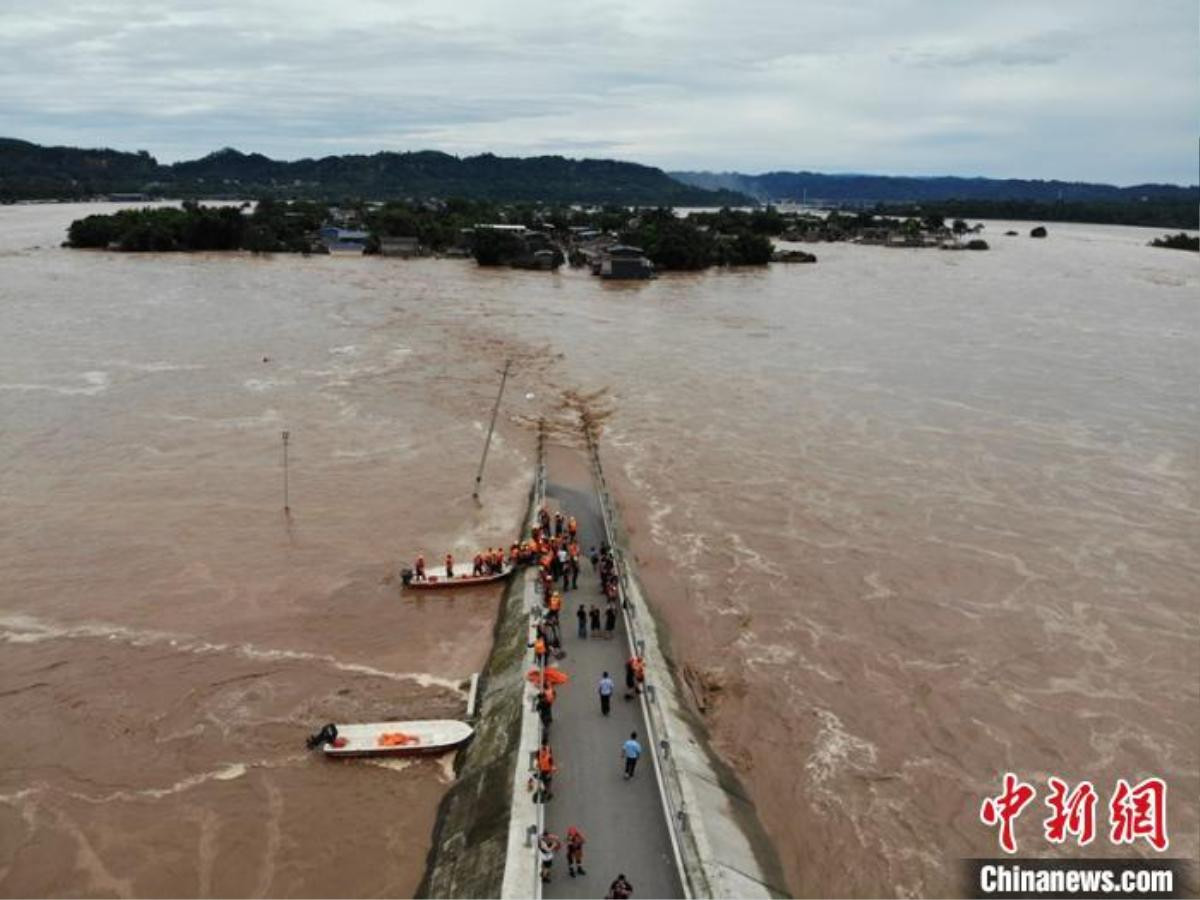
column 546, row 770
column 539, row 648
column 575, row 842
column 594, row 556
column 548, row 845
column 610, row 622
column 631, row 750
column 545, row 708
column 595, row 616
column 583, row 619
column 620, row 889
column 635, row 676
column 605, row 689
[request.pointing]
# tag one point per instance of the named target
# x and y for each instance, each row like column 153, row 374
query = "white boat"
column 437, row 579
column 392, row 738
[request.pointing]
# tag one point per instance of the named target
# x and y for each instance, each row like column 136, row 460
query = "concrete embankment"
column 471, row 839
column 483, row 844
column 722, row 848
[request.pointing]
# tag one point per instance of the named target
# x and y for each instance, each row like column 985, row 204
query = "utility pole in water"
column 286, row 507
column 492, row 427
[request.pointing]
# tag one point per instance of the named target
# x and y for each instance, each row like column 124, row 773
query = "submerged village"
column 612, row 241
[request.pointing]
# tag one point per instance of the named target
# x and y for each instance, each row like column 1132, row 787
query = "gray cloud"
column 1072, row 89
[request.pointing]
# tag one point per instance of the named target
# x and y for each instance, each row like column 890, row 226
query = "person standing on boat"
column 419, row 568
column 478, row 568
column 605, row 688
column 582, row 617
column 449, row 565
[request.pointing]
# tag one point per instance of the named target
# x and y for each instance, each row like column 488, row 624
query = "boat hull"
column 437, row 582
column 431, row 736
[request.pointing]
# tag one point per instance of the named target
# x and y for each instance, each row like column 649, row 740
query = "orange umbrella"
column 553, row 676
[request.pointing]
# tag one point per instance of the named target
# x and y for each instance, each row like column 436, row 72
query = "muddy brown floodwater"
column 913, row 519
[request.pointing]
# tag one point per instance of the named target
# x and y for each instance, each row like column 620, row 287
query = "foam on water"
column 95, row 382
column 154, row 367
column 837, row 751
column 23, row 629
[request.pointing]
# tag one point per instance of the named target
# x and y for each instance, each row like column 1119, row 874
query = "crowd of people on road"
column 554, row 548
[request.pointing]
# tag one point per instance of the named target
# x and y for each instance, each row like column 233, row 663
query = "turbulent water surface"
column 913, row 519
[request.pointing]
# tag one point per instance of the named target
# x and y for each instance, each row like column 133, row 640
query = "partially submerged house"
column 404, row 247
column 623, row 261
column 343, row 240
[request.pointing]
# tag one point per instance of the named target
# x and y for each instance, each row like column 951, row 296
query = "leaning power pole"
column 492, row 427
column 286, row 507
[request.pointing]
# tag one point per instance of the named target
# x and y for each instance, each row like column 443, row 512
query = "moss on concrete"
column 470, row 837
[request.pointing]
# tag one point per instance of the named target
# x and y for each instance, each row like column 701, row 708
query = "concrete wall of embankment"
column 721, row 847
column 471, row 855
column 475, row 832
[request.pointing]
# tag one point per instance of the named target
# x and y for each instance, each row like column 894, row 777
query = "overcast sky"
column 1096, row 90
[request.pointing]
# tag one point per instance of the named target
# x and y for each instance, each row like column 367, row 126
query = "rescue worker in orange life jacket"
column 546, row 769
column 572, row 527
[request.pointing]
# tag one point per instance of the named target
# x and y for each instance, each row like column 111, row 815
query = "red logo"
column 1140, row 811
column 1003, row 810
column 1073, row 813
column 1134, row 812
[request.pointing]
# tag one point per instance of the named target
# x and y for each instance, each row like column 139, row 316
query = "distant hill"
column 30, row 171
column 1158, row 205
column 871, row 189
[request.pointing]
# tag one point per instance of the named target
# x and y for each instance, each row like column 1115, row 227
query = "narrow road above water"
column 623, row 821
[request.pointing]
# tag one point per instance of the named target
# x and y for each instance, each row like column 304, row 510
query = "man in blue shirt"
column 631, row 750
column 605, row 688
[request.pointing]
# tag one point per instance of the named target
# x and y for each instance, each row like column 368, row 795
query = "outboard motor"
column 406, row 575
column 326, row 735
